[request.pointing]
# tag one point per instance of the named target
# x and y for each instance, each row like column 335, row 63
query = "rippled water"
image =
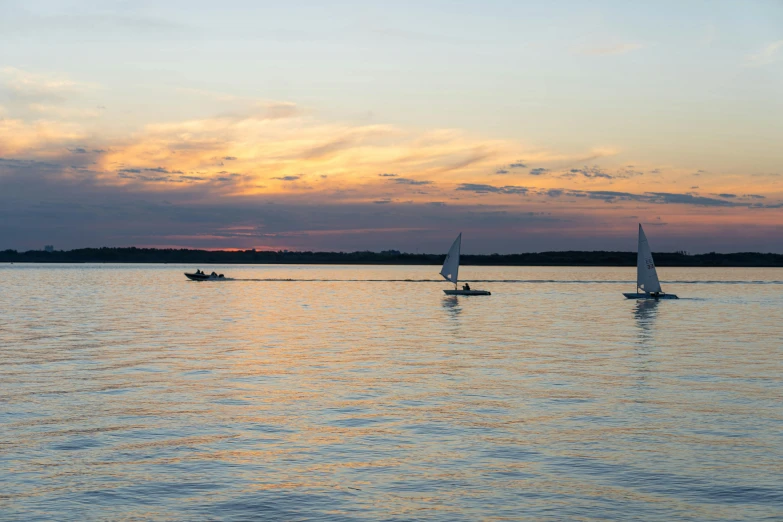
column 363, row 393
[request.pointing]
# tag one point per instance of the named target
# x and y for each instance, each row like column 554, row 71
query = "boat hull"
column 202, row 277
column 466, row 292
column 650, row 296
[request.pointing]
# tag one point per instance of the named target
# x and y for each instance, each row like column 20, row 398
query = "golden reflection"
column 362, row 385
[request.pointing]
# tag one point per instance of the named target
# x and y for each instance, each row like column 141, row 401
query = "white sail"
column 646, row 276
column 450, row 268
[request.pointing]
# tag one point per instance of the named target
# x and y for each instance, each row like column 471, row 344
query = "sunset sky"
column 351, row 125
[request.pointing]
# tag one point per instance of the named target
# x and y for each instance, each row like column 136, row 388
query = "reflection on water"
column 645, row 312
column 130, row 393
column 451, row 305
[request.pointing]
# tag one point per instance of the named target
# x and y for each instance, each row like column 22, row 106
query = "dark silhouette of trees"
column 388, row 257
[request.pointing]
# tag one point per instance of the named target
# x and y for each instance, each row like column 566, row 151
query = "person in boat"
column 466, row 286
column 213, row 274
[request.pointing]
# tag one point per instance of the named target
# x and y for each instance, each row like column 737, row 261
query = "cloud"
column 350, row 138
column 280, row 110
column 408, row 181
column 620, row 48
column 598, row 152
column 501, row 171
column 78, row 150
column 275, row 148
column 155, row 179
column 180, row 212
column 265, row 149
column 328, row 149
column 659, row 198
column 596, row 172
column 727, row 195
column 591, row 172
column 610, row 195
column 32, row 88
column 373, row 171
column 755, row 196
column 229, row 176
column 687, row 199
column 60, row 111
column 476, row 155
column 479, row 188
column 39, row 139
column 192, row 215
column 769, row 54
column 627, row 172
column 136, row 174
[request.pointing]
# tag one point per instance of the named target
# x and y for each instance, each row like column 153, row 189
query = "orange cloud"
column 276, row 149
column 41, row 139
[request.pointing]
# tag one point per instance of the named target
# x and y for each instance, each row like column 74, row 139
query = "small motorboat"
column 201, row 276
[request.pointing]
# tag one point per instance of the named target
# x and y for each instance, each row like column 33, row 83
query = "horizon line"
column 389, row 252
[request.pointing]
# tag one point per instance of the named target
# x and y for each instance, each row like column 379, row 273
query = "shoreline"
column 250, row 257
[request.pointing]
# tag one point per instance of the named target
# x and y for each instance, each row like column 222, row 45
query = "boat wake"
column 509, row 281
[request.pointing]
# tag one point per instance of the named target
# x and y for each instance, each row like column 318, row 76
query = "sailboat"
column 647, row 284
column 450, row 271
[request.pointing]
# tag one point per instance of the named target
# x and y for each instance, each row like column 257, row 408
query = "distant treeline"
column 225, row 257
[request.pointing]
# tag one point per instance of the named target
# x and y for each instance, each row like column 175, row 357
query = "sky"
column 364, row 125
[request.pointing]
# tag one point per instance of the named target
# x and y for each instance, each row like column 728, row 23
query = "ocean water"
column 364, row 393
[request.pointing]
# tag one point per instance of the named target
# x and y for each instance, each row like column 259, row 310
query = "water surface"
column 364, row 393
